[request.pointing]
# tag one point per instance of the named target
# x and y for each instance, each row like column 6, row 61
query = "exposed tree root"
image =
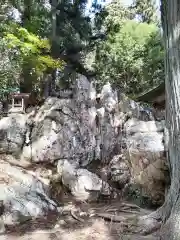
column 73, row 214
column 112, row 210
column 113, row 218
column 129, row 205
column 144, row 225
column 128, row 211
column 122, row 210
column 147, row 225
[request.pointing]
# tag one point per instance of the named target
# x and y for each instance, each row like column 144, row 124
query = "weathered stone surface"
column 119, row 170
column 69, row 128
column 135, row 110
column 60, row 132
column 108, row 98
column 74, row 129
column 87, row 128
column 84, row 185
column 145, row 157
column 135, row 125
column 12, row 133
column 25, row 196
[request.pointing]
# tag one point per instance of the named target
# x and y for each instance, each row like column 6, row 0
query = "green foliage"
column 132, row 55
column 10, row 68
column 44, row 33
column 32, row 49
column 146, row 10
column 153, row 68
column 73, row 27
column 131, row 58
column 127, row 53
column 35, row 15
column 112, row 16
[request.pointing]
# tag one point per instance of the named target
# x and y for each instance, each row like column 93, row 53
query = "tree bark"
column 46, row 86
column 54, row 45
column 170, row 211
column 26, row 84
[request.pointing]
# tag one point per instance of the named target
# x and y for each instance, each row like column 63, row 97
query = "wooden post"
column 12, row 102
column 22, row 102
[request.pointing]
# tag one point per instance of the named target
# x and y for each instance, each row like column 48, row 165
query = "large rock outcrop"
column 83, row 184
column 142, row 165
column 25, row 196
column 12, row 134
column 90, row 127
column 146, row 156
column 74, row 129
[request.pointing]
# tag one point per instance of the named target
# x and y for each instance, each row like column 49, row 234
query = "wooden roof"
column 20, row 95
column 156, row 94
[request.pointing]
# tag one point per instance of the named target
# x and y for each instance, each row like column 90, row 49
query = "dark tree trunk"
column 169, row 213
column 26, row 16
column 26, row 84
column 171, row 208
column 46, row 86
column 54, row 45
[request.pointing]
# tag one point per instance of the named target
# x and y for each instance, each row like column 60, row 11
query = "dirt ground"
column 64, row 226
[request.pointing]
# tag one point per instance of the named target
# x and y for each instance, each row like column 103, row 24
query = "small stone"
column 146, row 161
column 56, row 226
column 60, row 222
column 82, row 214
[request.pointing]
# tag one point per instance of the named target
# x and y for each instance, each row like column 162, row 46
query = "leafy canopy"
column 131, row 57
column 32, row 49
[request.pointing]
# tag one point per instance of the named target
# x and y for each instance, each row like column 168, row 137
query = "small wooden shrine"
column 18, row 102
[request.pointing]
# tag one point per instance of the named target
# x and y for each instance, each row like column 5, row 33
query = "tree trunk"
column 54, row 45
column 46, row 86
column 170, row 21
column 170, row 211
column 26, row 16
column 26, row 84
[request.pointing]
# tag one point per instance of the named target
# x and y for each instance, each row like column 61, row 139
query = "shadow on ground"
column 65, row 227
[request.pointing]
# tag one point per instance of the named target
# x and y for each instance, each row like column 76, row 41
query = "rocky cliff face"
column 90, row 127
column 146, row 157
column 78, row 129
